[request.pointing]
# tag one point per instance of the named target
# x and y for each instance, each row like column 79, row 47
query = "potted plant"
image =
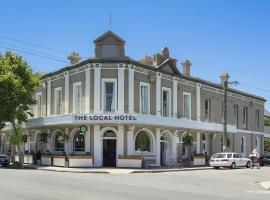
column 187, row 142
column 142, row 141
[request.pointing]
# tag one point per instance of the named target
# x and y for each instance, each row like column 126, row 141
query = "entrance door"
column 162, row 153
column 109, row 152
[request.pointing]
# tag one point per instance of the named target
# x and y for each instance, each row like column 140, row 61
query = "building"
column 116, row 98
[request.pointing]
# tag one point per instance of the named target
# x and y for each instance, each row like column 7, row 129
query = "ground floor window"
column 242, row 145
column 59, row 142
column 142, row 142
column 79, row 142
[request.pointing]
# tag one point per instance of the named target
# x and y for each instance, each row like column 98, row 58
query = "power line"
column 34, row 54
column 254, row 87
column 30, row 50
column 35, row 45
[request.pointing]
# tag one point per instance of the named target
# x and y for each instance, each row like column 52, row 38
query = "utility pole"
column 225, row 82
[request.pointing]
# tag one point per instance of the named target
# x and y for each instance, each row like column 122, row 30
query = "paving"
column 113, row 170
column 223, row 184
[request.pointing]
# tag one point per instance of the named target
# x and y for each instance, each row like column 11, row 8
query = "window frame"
column 55, row 101
column 166, row 89
column 75, row 86
column 115, row 95
column 186, row 94
column 148, row 99
column 245, row 117
column 207, row 117
column 41, row 106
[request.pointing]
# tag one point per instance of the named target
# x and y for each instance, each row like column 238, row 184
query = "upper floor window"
column 144, row 98
column 109, row 95
column 166, row 93
column 236, row 114
column 77, row 97
column 257, row 118
column 245, row 117
column 207, row 109
column 39, row 104
column 58, row 101
column 187, row 105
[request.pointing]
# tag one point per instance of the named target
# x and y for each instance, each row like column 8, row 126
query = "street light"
column 225, row 82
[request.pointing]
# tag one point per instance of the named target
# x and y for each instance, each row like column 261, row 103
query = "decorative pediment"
column 109, row 38
column 168, row 67
column 109, row 46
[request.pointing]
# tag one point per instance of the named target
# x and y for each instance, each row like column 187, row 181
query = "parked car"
column 229, row 159
column 4, row 160
column 265, row 159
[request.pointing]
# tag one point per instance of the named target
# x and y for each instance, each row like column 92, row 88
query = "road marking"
column 259, row 191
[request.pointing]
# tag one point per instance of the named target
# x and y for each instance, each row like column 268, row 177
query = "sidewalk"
column 111, row 170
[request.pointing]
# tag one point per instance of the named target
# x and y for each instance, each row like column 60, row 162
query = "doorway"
column 163, row 153
column 109, row 149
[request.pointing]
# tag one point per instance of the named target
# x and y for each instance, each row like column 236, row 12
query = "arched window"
column 59, row 142
column 79, row 142
column 142, row 140
column 242, row 145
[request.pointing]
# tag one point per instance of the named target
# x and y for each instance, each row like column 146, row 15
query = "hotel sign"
column 104, row 117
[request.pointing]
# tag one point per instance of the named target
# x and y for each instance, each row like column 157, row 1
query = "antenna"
column 110, row 21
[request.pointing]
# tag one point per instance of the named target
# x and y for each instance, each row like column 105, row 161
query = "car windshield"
column 219, row 155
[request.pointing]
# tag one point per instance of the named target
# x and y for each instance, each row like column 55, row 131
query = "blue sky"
column 216, row 35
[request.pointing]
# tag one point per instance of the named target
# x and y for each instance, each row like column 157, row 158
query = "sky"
column 217, row 36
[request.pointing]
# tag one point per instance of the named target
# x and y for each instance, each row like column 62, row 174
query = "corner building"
column 116, row 98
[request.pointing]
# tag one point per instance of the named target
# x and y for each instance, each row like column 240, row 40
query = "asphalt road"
column 208, row 185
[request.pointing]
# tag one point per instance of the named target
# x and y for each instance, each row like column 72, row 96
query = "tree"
column 65, row 138
column 17, row 86
column 188, row 142
column 17, row 139
column 142, row 142
column 267, row 144
column 43, row 140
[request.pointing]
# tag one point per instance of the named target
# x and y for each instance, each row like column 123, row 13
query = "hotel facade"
column 115, row 98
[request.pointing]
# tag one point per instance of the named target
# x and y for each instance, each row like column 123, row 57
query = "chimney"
column 74, row 58
column 224, row 77
column 186, row 67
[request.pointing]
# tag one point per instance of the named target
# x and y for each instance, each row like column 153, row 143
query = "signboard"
column 104, row 117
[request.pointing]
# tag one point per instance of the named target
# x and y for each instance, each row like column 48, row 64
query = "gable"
column 167, row 69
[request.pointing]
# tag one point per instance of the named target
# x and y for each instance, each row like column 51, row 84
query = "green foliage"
column 142, row 140
column 44, row 138
column 267, row 144
column 266, row 121
column 16, row 137
column 187, row 140
column 65, row 137
column 17, row 85
column 15, row 165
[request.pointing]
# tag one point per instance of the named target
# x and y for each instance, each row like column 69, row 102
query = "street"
column 206, row 184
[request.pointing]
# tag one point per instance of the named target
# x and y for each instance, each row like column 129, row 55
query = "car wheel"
column 233, row 166
column 216, row 167
column 248, row 164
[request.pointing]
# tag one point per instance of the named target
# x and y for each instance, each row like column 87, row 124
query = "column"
column 87, row 89
column 97, row 147
column 174, row 144
column 198, row 143
column 130, row 140
column 198, row 101
column 97, row 88
column 49, row 93
column 120, row 141
column 66, row 109
column 158, row 147
column 68, row 143
column 87, row 139
column 130, row 89
column 121, row 88
column 174, row 93
column 158, row 95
